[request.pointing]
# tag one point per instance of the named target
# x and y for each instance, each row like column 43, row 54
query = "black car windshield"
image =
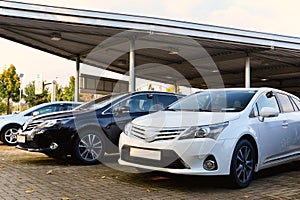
column 215, row 101
column 100, row 102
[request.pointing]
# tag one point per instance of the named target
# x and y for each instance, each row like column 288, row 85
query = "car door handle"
column 285, row 124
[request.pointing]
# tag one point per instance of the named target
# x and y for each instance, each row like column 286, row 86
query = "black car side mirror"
column 120, row 111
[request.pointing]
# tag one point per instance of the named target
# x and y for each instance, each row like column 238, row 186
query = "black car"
column 90, row 130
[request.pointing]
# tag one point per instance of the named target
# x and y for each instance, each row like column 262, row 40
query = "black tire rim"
column 244, row 164
column 90, row 147
column 11, row 136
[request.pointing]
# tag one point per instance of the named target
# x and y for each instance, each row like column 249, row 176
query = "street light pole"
column 20, row 77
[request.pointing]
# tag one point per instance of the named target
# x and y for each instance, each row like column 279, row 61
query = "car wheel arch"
column 88, row 126
column 91, row 126
column 9, row 125
column 251, row 139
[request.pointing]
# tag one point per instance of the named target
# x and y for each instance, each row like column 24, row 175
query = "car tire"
column 9, row 135
column 89, row 147
column 242, row 164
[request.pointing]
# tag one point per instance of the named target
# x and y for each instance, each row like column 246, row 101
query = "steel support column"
column 132, row 66
column 175, row 87
column 76, row 95
column 247, row 72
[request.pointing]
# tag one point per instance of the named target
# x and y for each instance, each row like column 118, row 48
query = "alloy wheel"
column 10, row 136
column 90, row 147
column 244, row 166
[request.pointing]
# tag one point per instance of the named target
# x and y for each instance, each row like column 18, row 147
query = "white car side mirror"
column 268, row 112
column 36, row 113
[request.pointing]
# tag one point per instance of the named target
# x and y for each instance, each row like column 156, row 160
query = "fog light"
column 53, row 146
column 210, row 163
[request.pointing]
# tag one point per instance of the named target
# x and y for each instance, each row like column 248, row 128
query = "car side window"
column 285, row 102
column 166, row 100
column 137, row 103
column 254, row 112
column 297, row 102
column 68, row 107
column 267, row 101
column 48, row 109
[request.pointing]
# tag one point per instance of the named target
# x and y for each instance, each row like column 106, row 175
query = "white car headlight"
column 208, row 131
column 53, row 122
column 127, row 128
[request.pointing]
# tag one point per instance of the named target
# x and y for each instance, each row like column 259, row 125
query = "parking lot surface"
column 32, row 176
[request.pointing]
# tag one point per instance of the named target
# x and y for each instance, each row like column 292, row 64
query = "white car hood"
column 5, row 116
column 172, row 119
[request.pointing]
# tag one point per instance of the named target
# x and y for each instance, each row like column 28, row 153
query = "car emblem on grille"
column 150, row 136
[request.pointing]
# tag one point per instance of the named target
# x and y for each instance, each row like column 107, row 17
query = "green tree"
column 2, row 106
column 9, row 86
column 69, row 91
column 32, row 99
column 59, row 93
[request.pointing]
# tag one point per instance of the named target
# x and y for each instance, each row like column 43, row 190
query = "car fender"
column 14, row 119
column 244, row 132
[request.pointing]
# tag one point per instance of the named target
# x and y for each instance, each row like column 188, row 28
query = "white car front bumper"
column 177, row 156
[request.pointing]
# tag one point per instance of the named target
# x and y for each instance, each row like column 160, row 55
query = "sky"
column 271, row 16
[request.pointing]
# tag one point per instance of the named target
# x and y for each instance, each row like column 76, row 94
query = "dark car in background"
column 92, row 129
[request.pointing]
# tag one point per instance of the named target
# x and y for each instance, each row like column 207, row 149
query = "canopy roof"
column 165, row 49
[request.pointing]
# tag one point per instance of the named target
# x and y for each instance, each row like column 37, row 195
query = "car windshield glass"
column 215, row 101
column 100, row 102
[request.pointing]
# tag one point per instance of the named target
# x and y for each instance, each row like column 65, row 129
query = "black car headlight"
column 208, row 131
column 54, row 122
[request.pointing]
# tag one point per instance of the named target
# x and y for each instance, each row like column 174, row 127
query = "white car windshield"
column 215, row 101
column 100, row 102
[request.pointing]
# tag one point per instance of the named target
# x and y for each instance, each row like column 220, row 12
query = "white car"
column 233, row 132
column 9, row 124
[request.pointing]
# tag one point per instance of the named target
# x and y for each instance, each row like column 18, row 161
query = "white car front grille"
column 151, row 135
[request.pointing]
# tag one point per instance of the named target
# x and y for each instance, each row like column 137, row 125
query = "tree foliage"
column 9, row 86
column 69, row 91
column 32, row 99
column 2, row 106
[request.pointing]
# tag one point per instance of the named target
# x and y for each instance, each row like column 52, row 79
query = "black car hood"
column 62, row 114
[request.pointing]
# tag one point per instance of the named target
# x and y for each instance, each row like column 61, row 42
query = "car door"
column 272, row 131
column 296, row 118
column 132, row 107
column 292, row 115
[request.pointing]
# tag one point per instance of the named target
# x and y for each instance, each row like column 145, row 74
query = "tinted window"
column 166, row 100
column 137, row 103
column 285, row 103
column 48, row 109
column 264, row 101
column 70, row 106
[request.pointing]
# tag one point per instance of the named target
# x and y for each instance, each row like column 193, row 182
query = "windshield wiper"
column 204, row 110
column 170, row 109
